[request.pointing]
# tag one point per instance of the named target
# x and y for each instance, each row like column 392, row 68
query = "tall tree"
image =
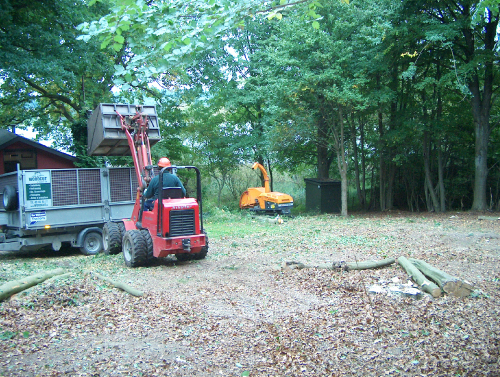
column 48, row 78
column 450, row 25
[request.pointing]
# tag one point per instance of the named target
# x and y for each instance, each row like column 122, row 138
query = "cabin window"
column 26, row 158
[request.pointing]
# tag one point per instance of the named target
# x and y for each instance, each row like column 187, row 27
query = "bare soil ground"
column 237, row 313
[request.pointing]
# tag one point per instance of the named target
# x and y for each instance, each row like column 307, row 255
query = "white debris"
column 394, row 287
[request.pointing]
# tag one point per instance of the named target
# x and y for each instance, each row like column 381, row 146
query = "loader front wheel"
column 149, row 245
column 111, row 238
column 204, row 250
column 184, row 257
column 122, row 228
column 134, row 248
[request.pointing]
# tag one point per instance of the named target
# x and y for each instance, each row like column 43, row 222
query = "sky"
column 30, row 134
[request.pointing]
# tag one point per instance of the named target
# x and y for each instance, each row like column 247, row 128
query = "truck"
column 55, row 207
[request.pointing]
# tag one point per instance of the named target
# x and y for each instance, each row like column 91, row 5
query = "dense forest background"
column 398, row 100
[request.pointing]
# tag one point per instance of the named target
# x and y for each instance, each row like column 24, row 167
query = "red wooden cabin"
column 16, row 149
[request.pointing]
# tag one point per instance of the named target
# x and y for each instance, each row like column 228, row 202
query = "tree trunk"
column 363, row 162
column 15, row 286
column 419, row 278
column 481, row 101
column 355, row 162
column 442, row 194
column 381, row 163
column 365, row 265
column 341, row 160
column 482, row 133
column 270, row 172
column 117, row 284
column 322, row 150
column 428, row 176
column 450, row 284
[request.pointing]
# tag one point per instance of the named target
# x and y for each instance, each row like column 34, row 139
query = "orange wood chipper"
column 262, row 199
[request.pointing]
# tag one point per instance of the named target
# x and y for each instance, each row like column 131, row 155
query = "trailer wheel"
column 149, row 245
column 10, row 200
column 134, row 248
column 111, row 238
column 204, row 250
column 92, row 243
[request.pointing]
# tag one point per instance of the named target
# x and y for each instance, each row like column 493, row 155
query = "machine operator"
column 169, row 180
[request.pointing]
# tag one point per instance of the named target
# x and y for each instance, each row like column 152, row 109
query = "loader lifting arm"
column 140, row 148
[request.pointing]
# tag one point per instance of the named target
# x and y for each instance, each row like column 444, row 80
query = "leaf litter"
column 237, row 313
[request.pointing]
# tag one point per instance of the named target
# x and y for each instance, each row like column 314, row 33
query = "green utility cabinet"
column 323, row 195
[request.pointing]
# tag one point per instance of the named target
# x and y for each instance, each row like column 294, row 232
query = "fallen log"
column 12, row 287
column 342, row 265
column 364, row 265
column 448, row 283
column 120, row 285
column 419, row 278
column 488, row 218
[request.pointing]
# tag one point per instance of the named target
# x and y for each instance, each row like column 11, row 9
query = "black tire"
column 92, row 243
column 134, row 248
column 10, row 198
column 121, row 226
column 204, row 250
column 149, row 245
column 111, row 238
column 184, row 257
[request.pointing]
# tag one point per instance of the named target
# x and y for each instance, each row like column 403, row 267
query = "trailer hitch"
column 186, row 244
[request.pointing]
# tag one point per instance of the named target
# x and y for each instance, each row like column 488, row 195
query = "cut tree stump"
column 419, row 278
column 15, row 286
column 341, row 265
column 448, row 283
column 122, row 286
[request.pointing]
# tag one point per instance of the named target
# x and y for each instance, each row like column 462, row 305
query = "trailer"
column 52, row 207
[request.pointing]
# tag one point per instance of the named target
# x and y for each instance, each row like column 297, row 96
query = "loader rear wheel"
column 111, row 238
column 149, row 245
column 134, row 248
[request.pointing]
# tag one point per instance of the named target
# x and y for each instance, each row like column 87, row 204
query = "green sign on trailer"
column 38, row 189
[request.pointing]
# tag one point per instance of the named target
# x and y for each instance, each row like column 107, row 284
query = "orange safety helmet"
column 164, row 162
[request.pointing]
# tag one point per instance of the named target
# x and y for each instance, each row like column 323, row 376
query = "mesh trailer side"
column 76, row 187
column 123, row 184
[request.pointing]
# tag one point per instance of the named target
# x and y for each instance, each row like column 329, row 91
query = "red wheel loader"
column 175, row 224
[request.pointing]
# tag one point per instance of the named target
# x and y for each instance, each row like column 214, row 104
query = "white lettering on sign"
column 182, row 207
column 37, row 216
column 38, row 189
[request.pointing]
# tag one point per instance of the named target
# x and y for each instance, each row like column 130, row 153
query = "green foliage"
column 55, row 78
column 162, row 35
